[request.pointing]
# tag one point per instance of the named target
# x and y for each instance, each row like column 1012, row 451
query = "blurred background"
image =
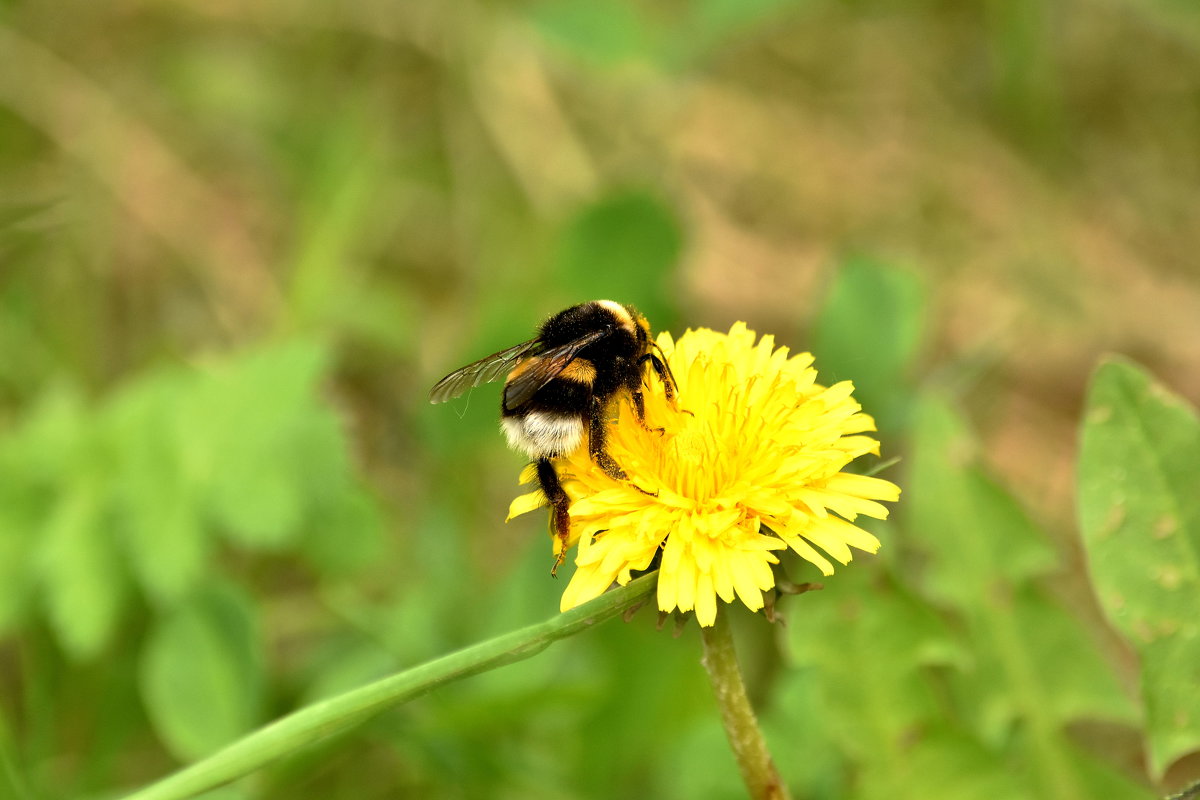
column 239, row 241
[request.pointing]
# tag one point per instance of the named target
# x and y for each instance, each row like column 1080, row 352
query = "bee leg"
column 639, row 411
column 597, row 428
column 560, row 517
column 670, row 388
column 664, row 374
column 597, row 431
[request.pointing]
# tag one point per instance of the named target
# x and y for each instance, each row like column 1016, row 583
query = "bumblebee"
column 560, row 385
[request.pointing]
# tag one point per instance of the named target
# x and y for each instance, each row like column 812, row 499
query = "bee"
column 560, row 385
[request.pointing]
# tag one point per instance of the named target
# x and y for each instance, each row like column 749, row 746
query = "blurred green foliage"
column 238, row 243
column 1140, row 516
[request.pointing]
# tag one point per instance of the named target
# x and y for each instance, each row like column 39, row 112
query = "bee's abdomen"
column 552, row 422
column 543, row 434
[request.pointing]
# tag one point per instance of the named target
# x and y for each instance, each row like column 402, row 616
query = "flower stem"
column 319, row 720
column 741, row 726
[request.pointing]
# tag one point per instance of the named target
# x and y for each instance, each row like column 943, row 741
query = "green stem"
column 741, row 726
column 326, row 717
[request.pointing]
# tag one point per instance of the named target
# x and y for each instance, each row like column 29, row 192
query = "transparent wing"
column 543, row 369
column 485, row 370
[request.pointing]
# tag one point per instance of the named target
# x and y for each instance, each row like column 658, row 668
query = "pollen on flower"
column 747, row 463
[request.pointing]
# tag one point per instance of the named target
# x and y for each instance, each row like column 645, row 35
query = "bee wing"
column 545, row 368
column 485, row 370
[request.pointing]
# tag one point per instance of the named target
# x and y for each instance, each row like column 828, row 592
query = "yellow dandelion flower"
column 750, row 462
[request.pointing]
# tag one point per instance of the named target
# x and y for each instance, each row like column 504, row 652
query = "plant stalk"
column 741, row 726
column 326, row 717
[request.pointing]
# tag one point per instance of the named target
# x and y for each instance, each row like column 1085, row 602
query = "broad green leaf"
column 61, row 511
column 598, row 683
column 788, row 723
column 868, row 647
column 947, row 763
column 1033, row 667
column 81, row 577
column 254, row 434
column 201, row 673
column 974, row 532
column 1170, row 675
column 869, row 331
column 345, row 535
column 710, row 770
column 1033, row 661
column 159, row 513
column 1139, row 509
column 1076, row 682
column 623, row 247
column 951, row 765
column 53, row 436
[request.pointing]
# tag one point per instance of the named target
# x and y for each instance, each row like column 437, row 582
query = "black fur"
column 619, row 359
column 579, row 361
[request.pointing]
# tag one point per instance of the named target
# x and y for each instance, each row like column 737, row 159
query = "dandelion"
column 749, row 462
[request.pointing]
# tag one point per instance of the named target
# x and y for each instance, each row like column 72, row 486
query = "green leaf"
column 974, row 532
column 58, row 515
column 1033, row 666
column 201, row 673
column 711, row 771
column 623, row 247
column 1033, row 661
column 868, row 649
column 869, row 331
column 53, row 436
column 345, row 535
column 159, row 513
column 947, row 763
column 80, row 573
column 1139, row 508
column 1075, row 680
column 260, row 444
column 796, row 700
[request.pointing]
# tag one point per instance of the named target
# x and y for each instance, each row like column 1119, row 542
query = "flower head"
column 748, row 462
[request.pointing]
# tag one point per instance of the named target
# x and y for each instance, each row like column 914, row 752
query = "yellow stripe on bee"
column 522, row 365
column 624, row 318
column 581, row 371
